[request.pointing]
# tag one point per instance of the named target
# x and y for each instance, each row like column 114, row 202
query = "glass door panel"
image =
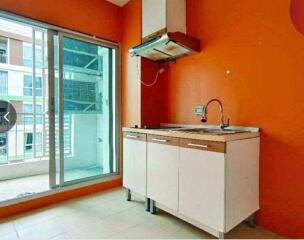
column 85, row 109
column 23, row 83
column 24, row 152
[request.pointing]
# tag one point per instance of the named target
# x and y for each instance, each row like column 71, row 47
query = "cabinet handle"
column 160, row 140
column 132, row 136
column 197, row 145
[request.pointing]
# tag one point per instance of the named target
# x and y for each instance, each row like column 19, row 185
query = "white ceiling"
column 118, row 2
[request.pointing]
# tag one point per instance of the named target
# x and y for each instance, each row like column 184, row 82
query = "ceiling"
column 118, row 2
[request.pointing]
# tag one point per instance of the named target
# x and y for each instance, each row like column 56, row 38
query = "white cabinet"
column 212, row 185
column 201, row 183
column 135, row 162
column 162, row 170
column 218, row 182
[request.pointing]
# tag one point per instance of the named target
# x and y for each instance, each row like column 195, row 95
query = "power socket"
column 199, row 110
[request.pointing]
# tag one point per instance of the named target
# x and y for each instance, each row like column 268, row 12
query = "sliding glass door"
column 84, row 120
column 61, row 87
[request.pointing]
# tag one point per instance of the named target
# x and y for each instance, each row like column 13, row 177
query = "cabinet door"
column 135, row 162
column 162, row 170
column 201, row 182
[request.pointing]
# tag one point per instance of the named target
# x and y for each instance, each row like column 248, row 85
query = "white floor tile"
column 147, row 231
column 10, row 236
column 108, row 215
column 6, row 227
column 41, row 231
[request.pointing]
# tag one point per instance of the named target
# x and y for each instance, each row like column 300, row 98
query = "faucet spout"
column 205, row 112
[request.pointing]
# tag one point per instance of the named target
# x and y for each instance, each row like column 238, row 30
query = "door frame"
column 53, row 30
column 114, row 79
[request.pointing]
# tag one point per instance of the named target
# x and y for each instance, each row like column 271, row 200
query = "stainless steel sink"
column 165, row 128
column 212, row 131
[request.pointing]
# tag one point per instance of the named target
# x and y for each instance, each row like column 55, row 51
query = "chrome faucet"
column 204, row 113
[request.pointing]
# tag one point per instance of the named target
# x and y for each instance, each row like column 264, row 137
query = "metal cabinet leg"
column 147, row 204
column 152, row 207
column 221, row 235
column 251, row 220
column 128, row 194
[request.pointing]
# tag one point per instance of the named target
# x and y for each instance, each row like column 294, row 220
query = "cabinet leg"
column 152, row 207
column 128, row 194
column 221, row 235
column 251, row 220
column 147, row 204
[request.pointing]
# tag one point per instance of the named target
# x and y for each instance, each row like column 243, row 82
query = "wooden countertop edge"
column 207, row 137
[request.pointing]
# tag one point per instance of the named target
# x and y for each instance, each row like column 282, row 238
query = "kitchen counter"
column 181, row 133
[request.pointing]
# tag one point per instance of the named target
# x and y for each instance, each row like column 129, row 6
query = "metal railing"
column 20, row 145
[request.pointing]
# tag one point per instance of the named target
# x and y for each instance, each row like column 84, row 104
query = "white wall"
column 84, row 143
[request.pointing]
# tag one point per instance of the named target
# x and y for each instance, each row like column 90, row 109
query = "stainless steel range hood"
column 166, row 47
column 164, row 31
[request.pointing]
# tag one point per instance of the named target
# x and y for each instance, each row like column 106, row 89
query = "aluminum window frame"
column 51, row 30
column 114, row 90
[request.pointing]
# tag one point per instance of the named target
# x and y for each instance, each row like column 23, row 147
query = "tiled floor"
column 19, row 187
column 107, row 215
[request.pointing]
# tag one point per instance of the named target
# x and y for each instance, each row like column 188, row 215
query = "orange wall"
column 131, row 72
column 95, row 17
column 58, row 197
column 258, row 43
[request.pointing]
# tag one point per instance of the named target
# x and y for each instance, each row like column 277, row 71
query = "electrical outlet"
column 199, row 110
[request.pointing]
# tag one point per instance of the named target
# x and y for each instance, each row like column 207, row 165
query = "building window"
column 28, row 56
column 28, row 118
column 29, row 142
column 3, row 148
column 28, row 86
column 3, row 83
column 3, row 51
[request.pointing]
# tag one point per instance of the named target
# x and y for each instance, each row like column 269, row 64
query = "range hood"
column 164, row 31
column 167, row 47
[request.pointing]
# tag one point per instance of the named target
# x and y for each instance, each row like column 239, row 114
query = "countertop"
column 248, row 133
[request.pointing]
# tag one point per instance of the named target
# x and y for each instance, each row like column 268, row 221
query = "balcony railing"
column 20, row 145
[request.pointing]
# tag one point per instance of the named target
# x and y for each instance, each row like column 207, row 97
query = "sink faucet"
column 204, row 113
